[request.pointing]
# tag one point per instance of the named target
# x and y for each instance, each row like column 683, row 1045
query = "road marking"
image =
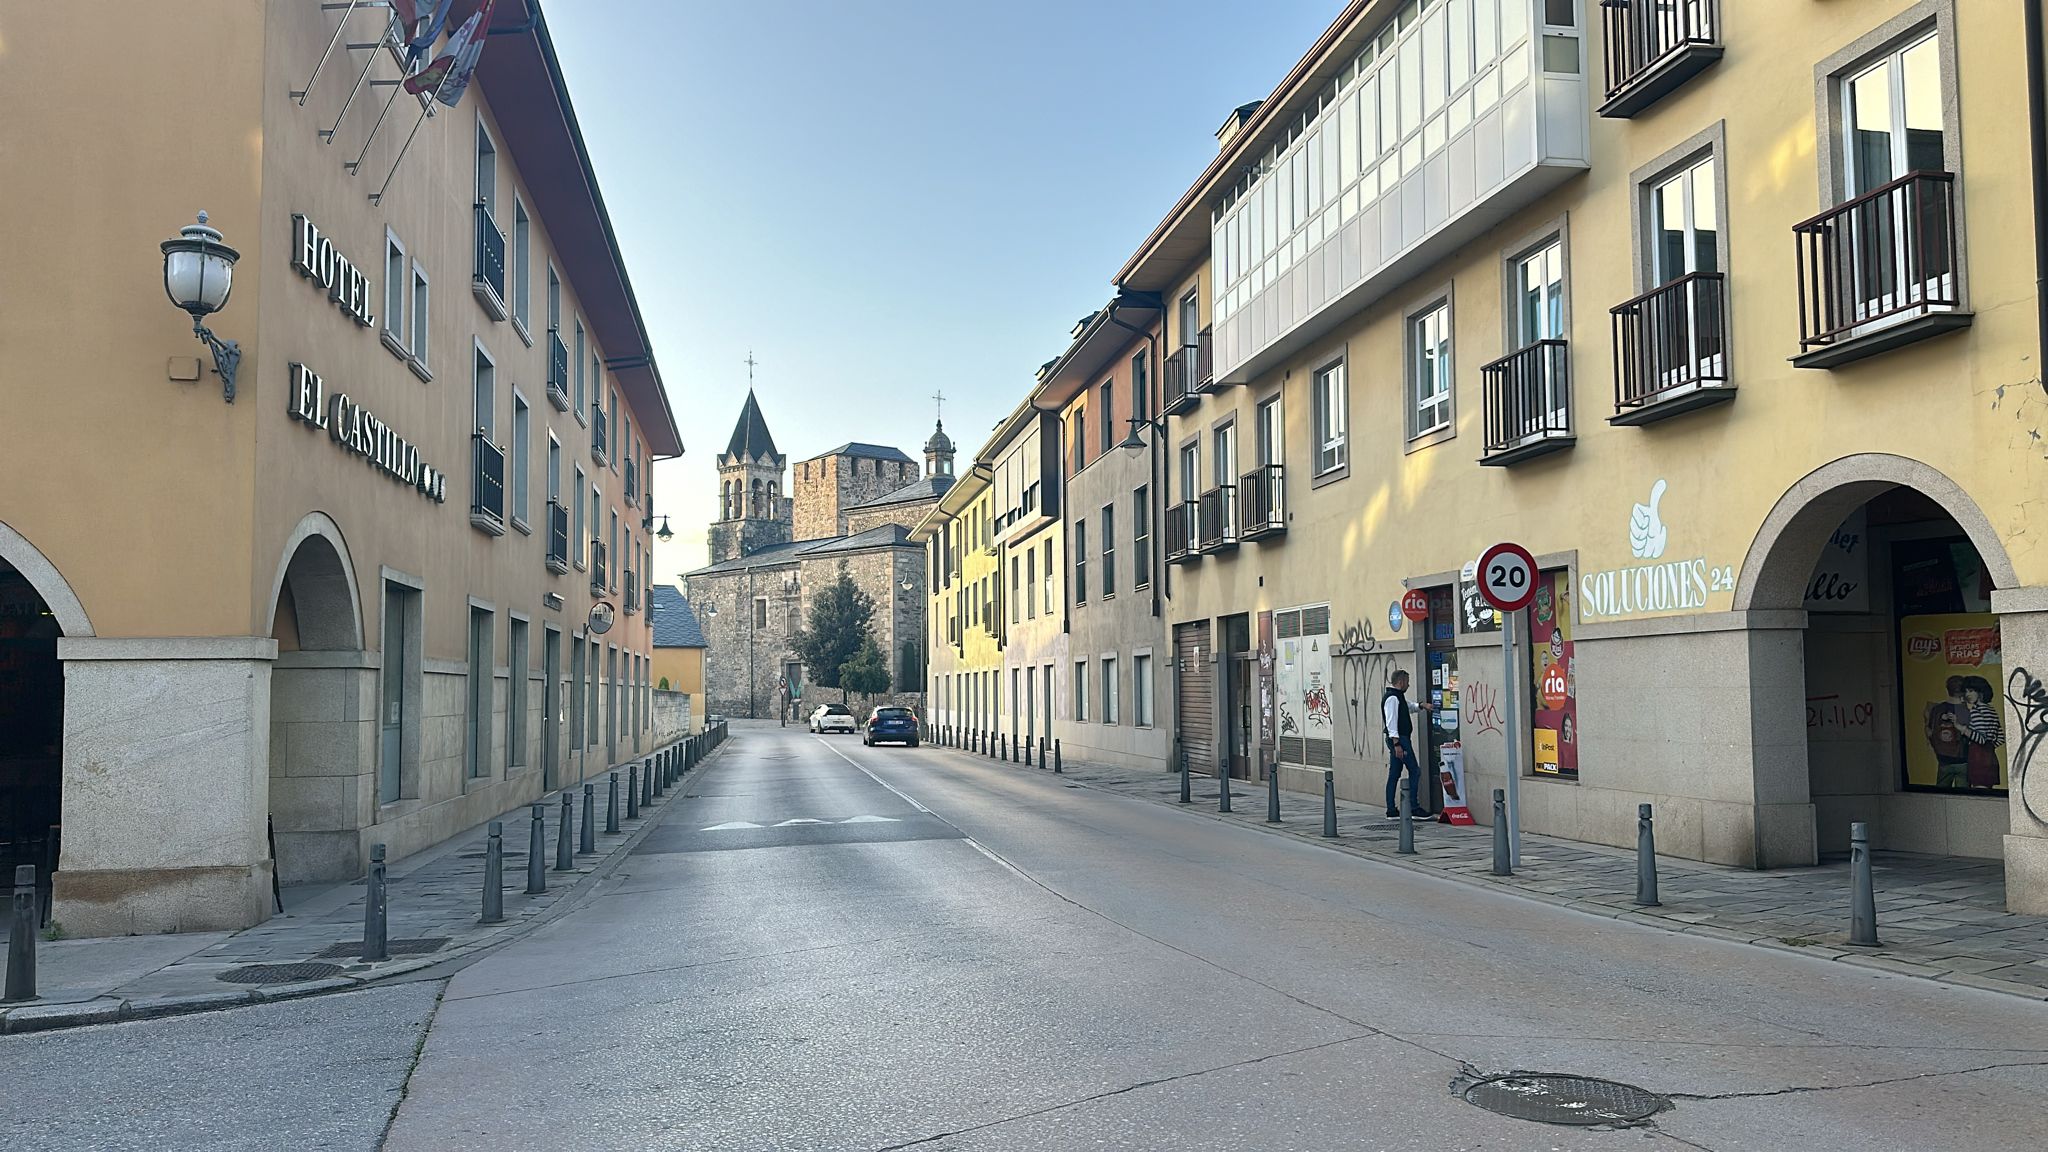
column 877, row 779
column 801, row 820
column 869, row 820
column 729, row 826
column 743, row 825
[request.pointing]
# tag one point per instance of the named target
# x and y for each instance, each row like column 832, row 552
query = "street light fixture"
column 664, row 535
column 199, row 272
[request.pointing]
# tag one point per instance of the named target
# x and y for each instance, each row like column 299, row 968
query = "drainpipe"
column 2037, row 142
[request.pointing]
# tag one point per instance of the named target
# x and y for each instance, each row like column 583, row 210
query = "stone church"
column 775, row 544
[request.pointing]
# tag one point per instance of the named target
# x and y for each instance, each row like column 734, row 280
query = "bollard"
column 1329, row 805
column 647, row 784
column 1223, row 785
column 21, row 938
column 565, row 851
column 1501, row 867
column 1028, row 742
column 537, row 852
column 494, row 875
column 375, row 945
column 1058, row 765
column 1406, row 846
column 1272, row 792
column 1862, row 892
column 658, row 777
column 1187, row 785
column 588, row 842
column 611, row 806
column 1646, row 858
column 632, row 791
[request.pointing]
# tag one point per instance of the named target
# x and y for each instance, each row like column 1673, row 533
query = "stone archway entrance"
column 31, row 733
column 1901, row 721
column 323, row 712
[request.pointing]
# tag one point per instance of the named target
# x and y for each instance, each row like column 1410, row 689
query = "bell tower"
column 753, row 513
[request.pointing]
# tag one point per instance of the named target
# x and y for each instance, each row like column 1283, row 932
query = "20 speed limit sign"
column 1507, row 576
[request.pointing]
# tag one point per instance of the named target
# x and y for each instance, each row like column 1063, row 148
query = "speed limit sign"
column 1507, row 576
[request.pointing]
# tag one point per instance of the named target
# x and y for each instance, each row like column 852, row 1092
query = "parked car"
column 833, row 718
column 889, row 724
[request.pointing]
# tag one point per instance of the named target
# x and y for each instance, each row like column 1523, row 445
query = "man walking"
column 1400, row 728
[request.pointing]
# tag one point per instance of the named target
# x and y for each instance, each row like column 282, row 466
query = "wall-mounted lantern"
column 199, row 272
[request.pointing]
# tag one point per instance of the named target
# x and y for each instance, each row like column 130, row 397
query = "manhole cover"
column 351, row 949
column 1556, row 1099
column 279, row 973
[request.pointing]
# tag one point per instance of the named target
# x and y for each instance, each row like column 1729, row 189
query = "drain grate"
column 350, row 949
column 1549, row 1098
column 278, row 973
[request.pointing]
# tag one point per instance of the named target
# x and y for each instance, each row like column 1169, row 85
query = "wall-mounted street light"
column 199, row 272
column 664, row 535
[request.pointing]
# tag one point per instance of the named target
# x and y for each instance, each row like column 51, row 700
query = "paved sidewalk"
column 1940, row 918
column 433, row 904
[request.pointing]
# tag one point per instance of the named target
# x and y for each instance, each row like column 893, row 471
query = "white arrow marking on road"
column 870, row 820
column 801, row 820
column 729, row 826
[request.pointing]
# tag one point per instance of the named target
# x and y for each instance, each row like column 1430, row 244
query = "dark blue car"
column 898, row 725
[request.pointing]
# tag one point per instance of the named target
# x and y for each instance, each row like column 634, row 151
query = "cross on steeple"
column 939, row 401
column 750, row 367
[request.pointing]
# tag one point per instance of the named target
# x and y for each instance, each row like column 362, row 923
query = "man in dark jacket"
column 1399, row 716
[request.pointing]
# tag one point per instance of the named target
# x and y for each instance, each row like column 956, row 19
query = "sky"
column 883, row 200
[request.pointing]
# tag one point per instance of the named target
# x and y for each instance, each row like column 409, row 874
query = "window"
column 1266, row 430
column 1108, row 422
column 1141, row 389
column 486, row 170
column 1015, row 577
column 582, row 538
column 554, row 300
column 522, row 459
column 1109, row 687
column 419, row 316
column 478, row 695
column 1081, row 691
column 1080, row 438
column 1538, row 278
column 760, row 611
column 596, row 525
column 611, row 552
column 1892, row 118
column 1190, row 320
column 522, row 252
column 1080, row 561
column 1108, row 550
column 611, row 415
column 1141, row 537
column 1685, row 223
column 394, row 292
column 554, row 468
column 1141, row 688
column 1046, row 568
column 1031, row 584
column 1429, row 370
column 1330, row 403
column 578, row 409
column 1190, row 470
column 1223, row 461
column 484, row 380
column 515, row 698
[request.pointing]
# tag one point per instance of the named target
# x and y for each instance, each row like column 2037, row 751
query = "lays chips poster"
column 1949, row 679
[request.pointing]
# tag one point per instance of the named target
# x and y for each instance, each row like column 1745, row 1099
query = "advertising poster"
column 1553, row 675
column 1451, row 774
column 1267, row 735
column 1949, row 673
column 1287, row 699
column 1317, row 723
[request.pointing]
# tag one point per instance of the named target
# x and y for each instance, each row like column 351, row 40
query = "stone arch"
column 49, row 583
column 315, row 572
column 1781, row 558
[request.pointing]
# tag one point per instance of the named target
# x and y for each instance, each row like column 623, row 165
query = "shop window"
column 1951, row 676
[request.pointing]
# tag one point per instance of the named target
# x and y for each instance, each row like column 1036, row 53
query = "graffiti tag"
column 1366, row 667
column 1481, row 706
column 2029, row 698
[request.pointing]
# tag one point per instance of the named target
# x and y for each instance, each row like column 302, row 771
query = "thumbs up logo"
column 1646, row 532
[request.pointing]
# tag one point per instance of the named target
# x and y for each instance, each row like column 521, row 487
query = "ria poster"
column 1949, row 673
column 1554, row 676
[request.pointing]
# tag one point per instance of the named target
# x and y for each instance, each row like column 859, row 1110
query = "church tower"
column 938, row 452
column 752, row 511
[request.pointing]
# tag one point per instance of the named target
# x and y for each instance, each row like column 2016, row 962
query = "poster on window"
column 1553, row 677
column 1317, row 722
column 1949, row 672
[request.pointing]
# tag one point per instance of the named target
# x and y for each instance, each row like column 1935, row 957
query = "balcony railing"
column 1671, row 349
column 1528, row 396
column 1879, row 271
column 1181, row 538
column 558, row 537
column 597, row 433
column 488, row 281
column 558, row 371
column 632, row 589
column 487, row 502
column 1262, row 502
column 1217, row 518
column 1181, row 395
column 597, row 583
column 1653, row 46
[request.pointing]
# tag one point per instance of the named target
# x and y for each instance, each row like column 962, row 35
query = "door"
column 1239, row 723
column 1539, row 316
column 1439, row 688
column 550, row 708
column 391, row 748
column 1194, row 694
column 1685, row 214
column 1896, row 245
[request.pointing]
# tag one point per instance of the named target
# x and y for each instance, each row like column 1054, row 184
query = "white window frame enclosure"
column 1887, row 293
column 1537, row 281
column 1431, row 370
column 1329, row 406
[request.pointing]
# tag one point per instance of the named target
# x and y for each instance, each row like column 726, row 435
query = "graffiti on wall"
column 1481, row 704
column 1366, row 666
column 2029, row 698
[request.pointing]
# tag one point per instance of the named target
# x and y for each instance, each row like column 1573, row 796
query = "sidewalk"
column 433, row 902
column 1939, row 918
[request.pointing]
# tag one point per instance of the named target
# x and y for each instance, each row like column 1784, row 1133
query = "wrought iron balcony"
column 558, row 537
column 1217, row 518
column 597, row 433
column 1262, row 502
column 597, row 583
column 1181, row 539
column 1879, row 271
column 1671, row 350
column 488, row 280
column 1528, row 396
column 1179, row 394
column 558, row 371
column 1653, row 47
column 487, row 502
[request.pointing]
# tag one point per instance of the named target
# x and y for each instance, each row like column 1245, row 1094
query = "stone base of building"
column 155, row 900
column 2026, row 875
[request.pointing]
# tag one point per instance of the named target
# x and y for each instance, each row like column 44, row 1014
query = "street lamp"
column 199, row 272
column 664, row 535
column 788, row 690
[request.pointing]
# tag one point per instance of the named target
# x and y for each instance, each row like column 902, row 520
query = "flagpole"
column 377, row 197
column 396, row 87
column 300, row 95
column 327, row 136
column 482, row 20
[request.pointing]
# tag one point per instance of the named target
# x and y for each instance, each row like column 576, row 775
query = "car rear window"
column 892, row 713
column 838, row 710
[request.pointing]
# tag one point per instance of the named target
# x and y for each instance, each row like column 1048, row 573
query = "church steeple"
column 938, row 451
column 750, row 438
column 752, row 511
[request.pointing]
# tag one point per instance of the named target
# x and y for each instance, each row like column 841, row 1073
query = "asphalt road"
column 833, row 947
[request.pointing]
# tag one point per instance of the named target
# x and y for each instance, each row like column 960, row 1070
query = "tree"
column 867, row 673
column 838, row 626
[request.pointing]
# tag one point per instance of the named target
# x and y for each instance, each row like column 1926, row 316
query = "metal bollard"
column 1059, row 766
column 657, row 775
column 537, row 852
column 565, row 851
column 632, row 791
column 1646, row 858
column 494, row 875
column 1501, row 867
column 1272, row 793
column 647, row 784
column 1028, row 742
column 1187, row 784
column 611, row 806
column 21, row 938
column 1223, row 785
column 1406, row 846
column 1862, row 892
column 1329, row 805
column 587, row 843
column 375, row 944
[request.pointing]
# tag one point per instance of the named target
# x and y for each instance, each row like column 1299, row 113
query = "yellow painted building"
column 965, row 679
column 679, row 647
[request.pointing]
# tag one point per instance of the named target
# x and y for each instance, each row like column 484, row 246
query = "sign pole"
column 1514, row 738
column 1507, row 581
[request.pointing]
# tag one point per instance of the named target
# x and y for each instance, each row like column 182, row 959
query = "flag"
column 430, row 26
column 449, row 75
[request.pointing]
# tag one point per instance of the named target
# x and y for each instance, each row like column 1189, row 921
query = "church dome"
column 940, row 442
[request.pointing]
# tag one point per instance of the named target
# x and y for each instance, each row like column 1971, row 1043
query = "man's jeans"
column 1397, row 760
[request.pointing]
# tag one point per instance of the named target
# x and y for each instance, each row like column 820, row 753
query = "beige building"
column 347, row 603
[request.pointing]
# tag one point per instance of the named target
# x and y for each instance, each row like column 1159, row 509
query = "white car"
column 833, row 718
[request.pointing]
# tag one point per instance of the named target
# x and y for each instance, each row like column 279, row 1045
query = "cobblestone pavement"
column 433, row 902
column 1941, row 918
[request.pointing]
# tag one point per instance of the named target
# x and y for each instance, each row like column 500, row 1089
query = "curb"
column 38, row 1016
column 1829, row 948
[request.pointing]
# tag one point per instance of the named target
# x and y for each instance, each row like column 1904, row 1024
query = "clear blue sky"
column 886, row 199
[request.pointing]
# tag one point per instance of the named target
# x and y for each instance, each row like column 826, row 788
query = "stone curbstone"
column 151, row 1007
column 305, row 988
column 1993, row 984
column 44, row 1017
